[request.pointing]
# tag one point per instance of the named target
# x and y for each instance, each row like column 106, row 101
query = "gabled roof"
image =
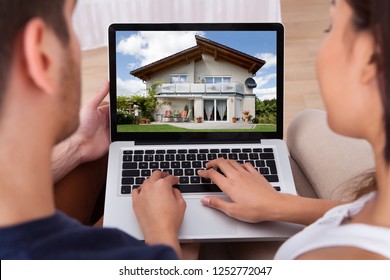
column 203, row 46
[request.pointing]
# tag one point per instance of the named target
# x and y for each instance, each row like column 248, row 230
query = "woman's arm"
column 253, row 199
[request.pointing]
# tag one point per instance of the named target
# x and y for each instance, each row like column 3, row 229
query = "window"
column 217, row 80
column 179, row 79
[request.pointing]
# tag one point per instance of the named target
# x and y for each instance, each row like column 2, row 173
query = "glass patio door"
column 215, row 110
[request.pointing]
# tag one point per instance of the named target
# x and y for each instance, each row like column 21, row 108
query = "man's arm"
column 89, row 142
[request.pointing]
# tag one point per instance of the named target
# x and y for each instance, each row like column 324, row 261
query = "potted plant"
column 199, row 119
column 143, row 120
column 234, row 119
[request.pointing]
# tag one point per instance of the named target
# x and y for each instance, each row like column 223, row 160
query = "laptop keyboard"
column 184, row 164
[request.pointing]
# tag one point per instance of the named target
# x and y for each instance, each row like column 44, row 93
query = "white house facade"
column 210, row 80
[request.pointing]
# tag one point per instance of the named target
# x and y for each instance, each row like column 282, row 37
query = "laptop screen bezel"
column 196, row 137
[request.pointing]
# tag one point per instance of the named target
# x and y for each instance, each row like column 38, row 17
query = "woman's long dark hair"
column 374, row 16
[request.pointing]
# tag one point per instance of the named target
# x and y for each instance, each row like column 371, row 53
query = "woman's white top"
column 331, row 231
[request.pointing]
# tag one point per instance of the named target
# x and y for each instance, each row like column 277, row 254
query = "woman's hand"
column 253, row 198
column 160, row 209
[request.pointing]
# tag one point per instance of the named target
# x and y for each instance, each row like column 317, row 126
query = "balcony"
column 187, row 88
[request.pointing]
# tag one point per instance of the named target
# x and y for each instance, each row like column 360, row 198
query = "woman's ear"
column 38, row 54
column 367, row 55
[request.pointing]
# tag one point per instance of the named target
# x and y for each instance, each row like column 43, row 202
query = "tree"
column 266, row 111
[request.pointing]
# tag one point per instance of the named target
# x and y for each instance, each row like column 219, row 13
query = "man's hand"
column 93, row 133
column 90, row 141
column 160, row 209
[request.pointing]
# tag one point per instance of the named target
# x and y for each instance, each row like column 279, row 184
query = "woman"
column 354, row 74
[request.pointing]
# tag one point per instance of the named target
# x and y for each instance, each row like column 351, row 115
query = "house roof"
column 203, row 46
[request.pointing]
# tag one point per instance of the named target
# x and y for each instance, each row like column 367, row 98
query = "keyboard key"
column 138, row 152
column 191, row 157
column 149, row 152
column 211, row 156
column 254, row 156
column 171, row 151
column 257, row 150
column 170, row 157
column 127, row 181
column 181, row 157
column 189, row 172
column 193, row 151
column 225, row 156
column 243, row 156
column 195, row 180
column 139, row 180
column 277, row 189
column 186, row 164
column 204, row 151
column 178, row 172
column 184, row 180
column 146, row 173
column 169, row 171
column 127, row 152
column 159, row 158
column 182, row 151
column 160, row 152
column 126, row 190
column 259, row 163
column 201, row 157
column 149, row 158
column 197, row 164
column 236, row 150
column 205, row 180
column 233, row 156
column 272, row 178
column 130, row 173
column 214, row 151
column 186, row 188
column 154, row 165
column 268, row 150
column 247, row 150
column 138, row 158
column 272, row 166
column 175, row 164
column 267, row 156
column 264, row 170
column 130, row 165
column 225, row 150
column 127, row 158
column 164, row 165
column 143, row 165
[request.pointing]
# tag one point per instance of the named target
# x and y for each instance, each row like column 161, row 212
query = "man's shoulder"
column 60, row 237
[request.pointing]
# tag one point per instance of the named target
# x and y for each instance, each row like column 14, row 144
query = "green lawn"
column 171, row 128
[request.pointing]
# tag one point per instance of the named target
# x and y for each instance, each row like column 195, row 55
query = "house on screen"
column 213, row 80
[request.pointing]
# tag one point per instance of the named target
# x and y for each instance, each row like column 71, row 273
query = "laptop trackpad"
column 201, row 220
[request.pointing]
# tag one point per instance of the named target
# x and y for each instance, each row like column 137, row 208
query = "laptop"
column 184, row 94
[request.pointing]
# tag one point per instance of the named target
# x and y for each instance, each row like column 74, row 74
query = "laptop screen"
column 196, row 82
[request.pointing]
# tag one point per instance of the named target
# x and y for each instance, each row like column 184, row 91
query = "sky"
column 137, row 49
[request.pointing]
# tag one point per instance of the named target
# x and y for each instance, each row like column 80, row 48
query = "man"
column 39, row 108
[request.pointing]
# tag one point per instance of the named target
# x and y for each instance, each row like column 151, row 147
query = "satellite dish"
column 250, row 83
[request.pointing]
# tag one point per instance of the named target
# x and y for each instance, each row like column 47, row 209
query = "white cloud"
column 269, row 58
column 264, row 79
column 150, row 46
column 129, row 87
column 266, row 93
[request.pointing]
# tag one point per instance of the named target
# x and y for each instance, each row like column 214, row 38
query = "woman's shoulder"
column 340, row 253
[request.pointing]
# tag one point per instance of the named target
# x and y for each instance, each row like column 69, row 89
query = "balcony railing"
column 188, row 88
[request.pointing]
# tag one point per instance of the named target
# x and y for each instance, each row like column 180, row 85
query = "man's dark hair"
column 14, row 15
